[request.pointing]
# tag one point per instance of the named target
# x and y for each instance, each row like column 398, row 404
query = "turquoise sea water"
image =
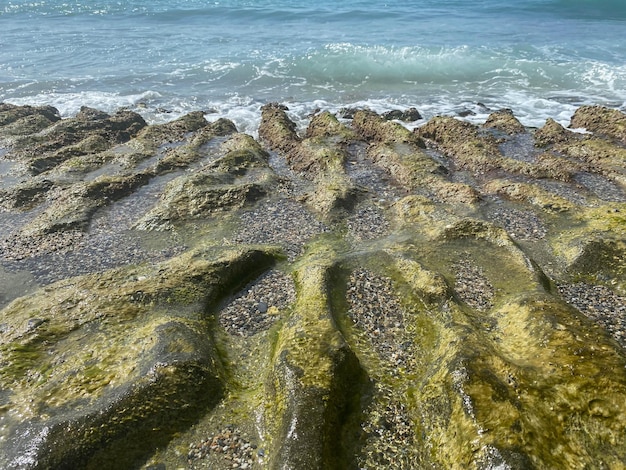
column 541, row 58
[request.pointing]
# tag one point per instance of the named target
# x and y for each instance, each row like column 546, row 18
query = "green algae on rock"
column 150, row 365
column 431, row 304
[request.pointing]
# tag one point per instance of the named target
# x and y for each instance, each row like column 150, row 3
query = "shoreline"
column 474, row 268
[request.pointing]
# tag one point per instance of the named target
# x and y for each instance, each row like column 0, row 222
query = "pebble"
column 368, row 223
column 375, row 309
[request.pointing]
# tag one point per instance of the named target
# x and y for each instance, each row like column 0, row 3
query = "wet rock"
column 172, row 131
column 25, row 195
column 553, row 133
column 326, row 125
column 372, row 126
column 504, row 121
column 137, row 383
column 408, row 115
column 10, row 113
column 397, row 151
column 77, row 136
column 602, row 121
column 199, row 196
column 276, row 129
column 321, row 156
column 313, row 381
column 187, row 154
column 435, row 307
column 474, row 150
column 238, row 178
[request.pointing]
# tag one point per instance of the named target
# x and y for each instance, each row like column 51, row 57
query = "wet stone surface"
column 398, row 308
column 281, row 222
column 601, row 305
column 520, row 224
column 472, row 286
column 258, row 305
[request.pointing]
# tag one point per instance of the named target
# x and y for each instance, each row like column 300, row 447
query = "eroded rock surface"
column 351, row 295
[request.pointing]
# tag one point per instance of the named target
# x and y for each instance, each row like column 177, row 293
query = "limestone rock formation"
column 355, row 294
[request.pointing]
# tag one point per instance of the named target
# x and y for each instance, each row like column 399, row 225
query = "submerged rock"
column 437, row 298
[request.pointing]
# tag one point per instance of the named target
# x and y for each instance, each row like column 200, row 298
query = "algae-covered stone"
column 372, row 126
column 553, row 133
column 10, row 113
column 187, row 154
column 530, row 193
column 602, row 121
column 277, row 129
column 74, row 210
column 430, row 328
column 174, row 130
column 314, row 380
column 326, row 124
column 116, row 363
column 400, row 153
column 25, row 195
column 504, row 121
column 198, row 196
column 238, row 178
column 48, row 149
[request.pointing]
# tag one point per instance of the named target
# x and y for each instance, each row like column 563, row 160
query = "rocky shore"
column 362, row 293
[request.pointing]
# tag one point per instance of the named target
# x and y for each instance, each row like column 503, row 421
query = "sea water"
column 163, row 58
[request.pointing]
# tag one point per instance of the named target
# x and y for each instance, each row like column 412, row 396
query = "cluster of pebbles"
column 229, row 448
column 472, row 286
column 601, row 187
column 281, row 222
column 389, row 435
column 375, row 309
column 600, row 304
column 368, row 223
column 521, row 225
column 258, row 305
column 388, row 431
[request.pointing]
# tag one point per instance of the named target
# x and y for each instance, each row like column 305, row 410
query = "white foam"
column 69, row 104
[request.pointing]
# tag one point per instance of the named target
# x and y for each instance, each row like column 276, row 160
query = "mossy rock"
column 26, row 195
column 434, row 323
column 173, row 131
column 147, row 366
column 553, row 133
column 75, row 209
column 12, row 116
column 602, row 121
column 276, row 129
column 199, row 196
column 504, row 121
column 189, row 153
column 76, row 136
column 327, row 125
column 315, row 380
column 372, row 126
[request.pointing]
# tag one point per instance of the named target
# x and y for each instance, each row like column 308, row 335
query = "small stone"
column 35, row 323
column 262, row 307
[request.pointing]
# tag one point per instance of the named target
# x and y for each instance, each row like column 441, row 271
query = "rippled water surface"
column 541, row 58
